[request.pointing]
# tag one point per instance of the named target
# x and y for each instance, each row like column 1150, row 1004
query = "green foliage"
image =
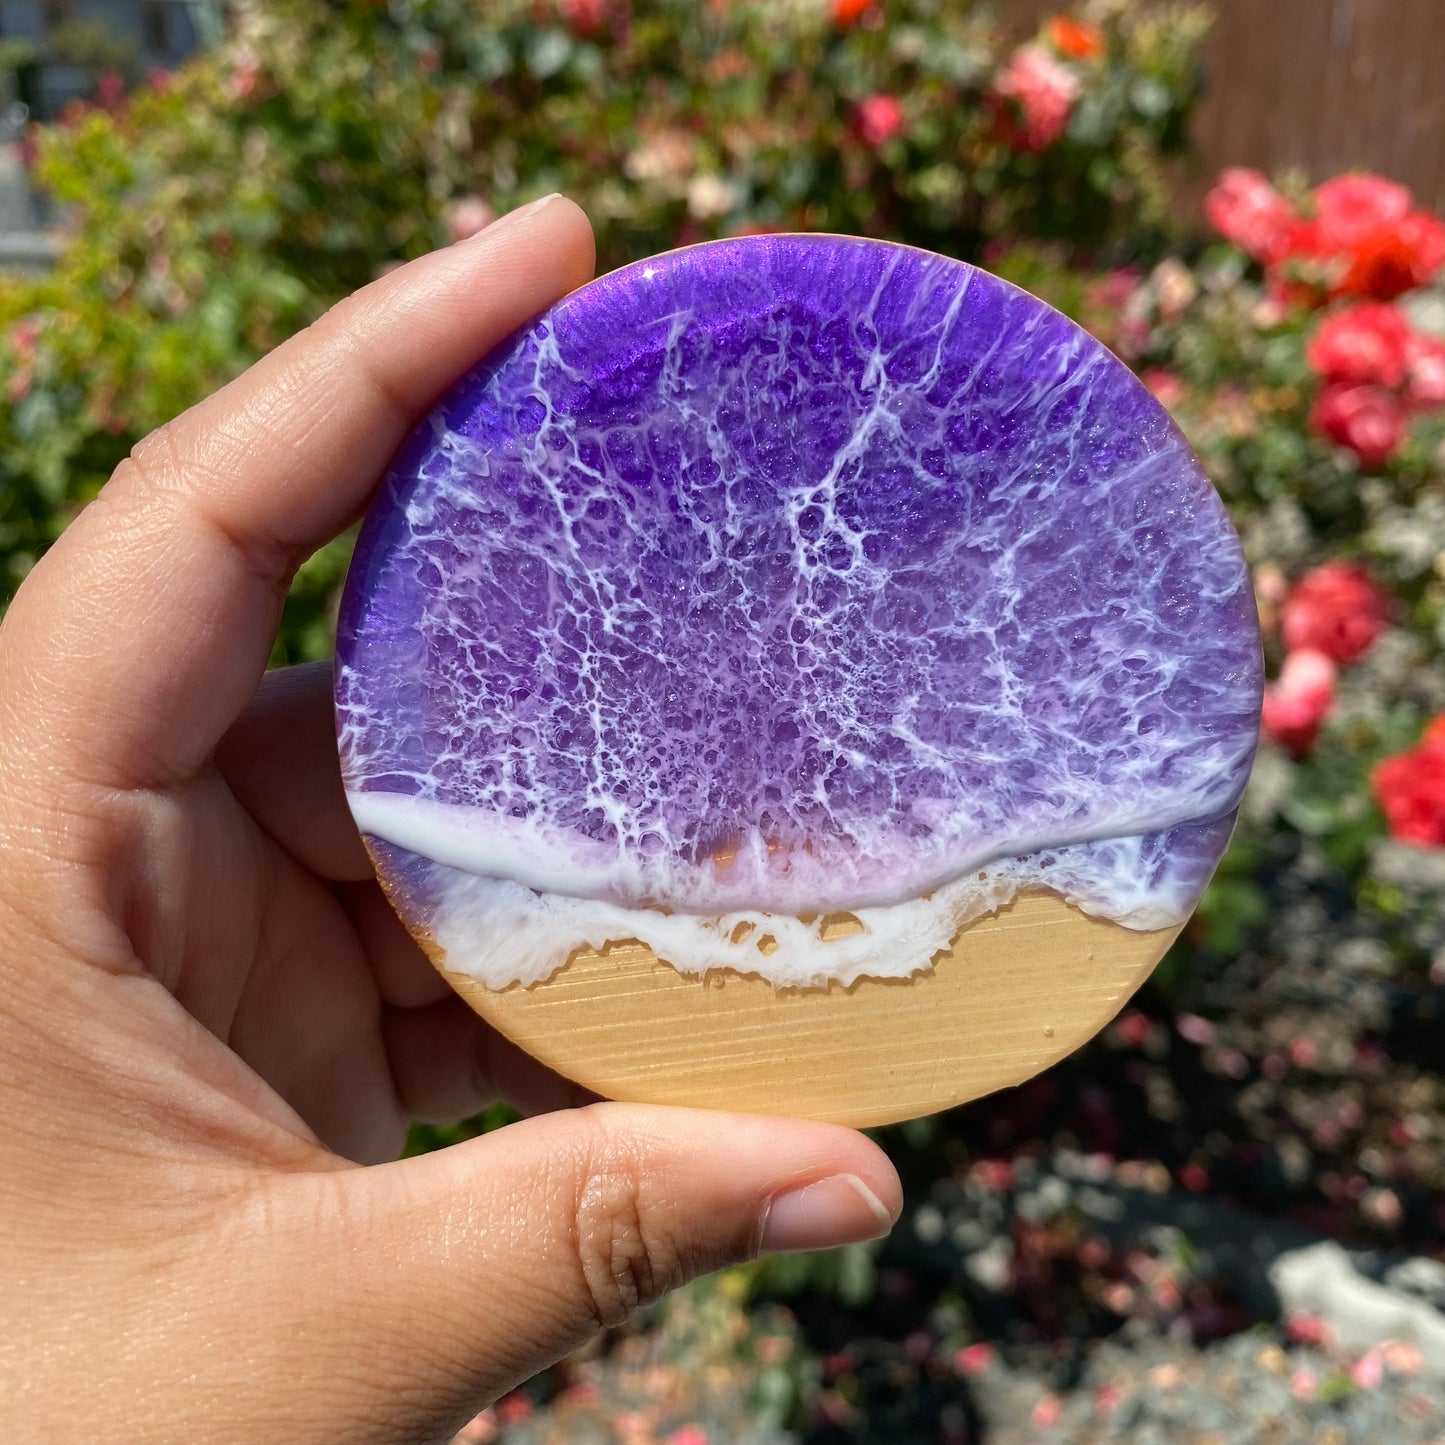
column 426, row 1137
column 214, row 214
column 16, row 53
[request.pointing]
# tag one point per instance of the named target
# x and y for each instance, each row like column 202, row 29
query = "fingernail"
column 841, row 1209
column 530, row 209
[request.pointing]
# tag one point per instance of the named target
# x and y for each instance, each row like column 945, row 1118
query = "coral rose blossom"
column 1366, row 342
column 1298, row 702
column 880, row 118
column 1337, row 610
column 1075, row 38
column 1245, row 209
column 1352, row 208
column 1042, row 90
column 1410, row 788
column 1367, row 419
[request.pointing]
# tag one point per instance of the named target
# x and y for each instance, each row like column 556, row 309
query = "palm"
column 266, row 927
column 269, row 959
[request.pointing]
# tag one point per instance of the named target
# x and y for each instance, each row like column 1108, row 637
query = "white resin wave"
column 500, row 931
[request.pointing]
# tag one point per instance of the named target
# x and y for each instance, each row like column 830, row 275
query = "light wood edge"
column 1016, row 992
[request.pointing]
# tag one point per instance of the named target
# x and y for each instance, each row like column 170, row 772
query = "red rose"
column 1244, row 208
column 1425, row 372
column 1336, row 610
column 1410, row 788
column 1394, row 259
column 1034, row 96
column 880, row 118
column 1296, row 704
column 1369, row 420
column 849, row 12
column 1366, row 342
column 1363, row 240
column 1299, row 268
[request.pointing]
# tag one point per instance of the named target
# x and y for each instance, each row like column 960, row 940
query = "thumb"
column 468, row 1270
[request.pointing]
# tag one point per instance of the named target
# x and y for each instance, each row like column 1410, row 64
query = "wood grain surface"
column 1017, row 991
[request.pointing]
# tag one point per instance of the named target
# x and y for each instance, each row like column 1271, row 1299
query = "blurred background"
column 1223, row 1220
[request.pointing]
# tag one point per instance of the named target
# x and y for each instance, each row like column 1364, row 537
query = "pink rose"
column 467, row 215
column 1298, row 701
column 688, row 1435
column 1244, row 208
column 880, row 118
column 1047, row 1413
column 1425, row 372
column 1034, row 96
column 1369, row 420
column 245, row 79
column 974, row 1359
column 1168, row 390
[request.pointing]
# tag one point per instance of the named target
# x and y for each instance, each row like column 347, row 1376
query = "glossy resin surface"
column 784, row 577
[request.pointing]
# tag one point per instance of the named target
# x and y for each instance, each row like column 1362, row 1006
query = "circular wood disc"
column 1016, row 992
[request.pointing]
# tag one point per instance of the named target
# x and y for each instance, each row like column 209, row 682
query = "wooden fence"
column 1321, row 86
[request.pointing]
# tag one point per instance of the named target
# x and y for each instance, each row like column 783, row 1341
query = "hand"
column 210, row 1021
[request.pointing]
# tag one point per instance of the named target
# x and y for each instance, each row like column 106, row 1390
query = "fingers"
column 447, row 1063
column 404, row 975
column 481, row 1264
column 144, row 631
column 280, row 761
column 309, row 1021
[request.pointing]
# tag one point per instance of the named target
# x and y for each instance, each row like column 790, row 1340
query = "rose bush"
column 1305, row 359
column 218, row 209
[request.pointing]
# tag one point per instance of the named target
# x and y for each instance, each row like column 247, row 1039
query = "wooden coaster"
column 1016, row 992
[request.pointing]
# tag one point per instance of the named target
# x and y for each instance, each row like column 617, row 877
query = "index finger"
column 140, row 636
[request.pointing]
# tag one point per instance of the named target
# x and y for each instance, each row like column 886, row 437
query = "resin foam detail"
column 788, row 577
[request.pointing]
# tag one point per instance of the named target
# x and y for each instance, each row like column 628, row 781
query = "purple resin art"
column 781, row 577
